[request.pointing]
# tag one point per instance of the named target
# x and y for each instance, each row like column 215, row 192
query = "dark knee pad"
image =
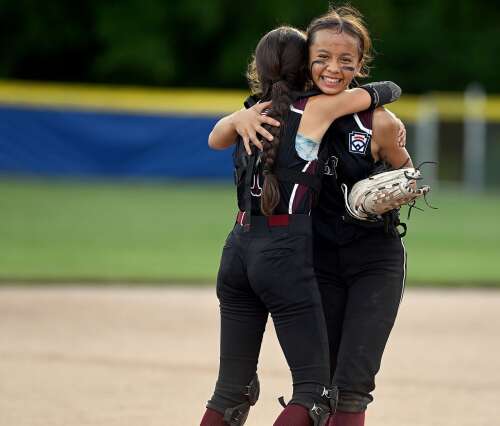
column 237, row 415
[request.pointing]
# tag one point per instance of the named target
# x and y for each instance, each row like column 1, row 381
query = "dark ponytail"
column 280, row 59
column 281, row 100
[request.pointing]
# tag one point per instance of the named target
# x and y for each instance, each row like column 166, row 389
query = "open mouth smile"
column 330, row 81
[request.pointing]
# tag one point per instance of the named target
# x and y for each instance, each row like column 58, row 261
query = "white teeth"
column 331, row 80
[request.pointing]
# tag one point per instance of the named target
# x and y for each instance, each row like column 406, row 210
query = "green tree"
column 423, row 45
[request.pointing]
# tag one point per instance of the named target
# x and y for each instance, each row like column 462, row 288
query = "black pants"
column 361, row 286
column 270, row 270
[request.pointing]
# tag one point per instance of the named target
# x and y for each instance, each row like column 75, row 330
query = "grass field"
column 166, row 232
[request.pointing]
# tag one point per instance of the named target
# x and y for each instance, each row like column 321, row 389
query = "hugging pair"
column 331, row 284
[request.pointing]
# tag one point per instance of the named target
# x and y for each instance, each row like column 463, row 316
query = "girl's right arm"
column 381, row 93
column 322, row 110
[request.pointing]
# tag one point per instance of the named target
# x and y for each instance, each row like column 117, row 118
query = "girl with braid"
column 360, row 270
column 266, row 266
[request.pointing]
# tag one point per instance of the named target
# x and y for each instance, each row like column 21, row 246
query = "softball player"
column 266, row 264
column 360, row 269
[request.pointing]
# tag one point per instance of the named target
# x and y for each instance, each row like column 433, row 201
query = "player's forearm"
column 370, row 95
column 224, row 134
column 351, row 101
column 359, row 99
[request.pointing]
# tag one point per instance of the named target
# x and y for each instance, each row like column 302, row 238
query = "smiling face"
column 334, row 60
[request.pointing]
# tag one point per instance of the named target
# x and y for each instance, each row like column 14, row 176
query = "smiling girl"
column 360, row 270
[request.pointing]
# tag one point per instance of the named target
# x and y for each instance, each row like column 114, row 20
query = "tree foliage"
column 423, row 45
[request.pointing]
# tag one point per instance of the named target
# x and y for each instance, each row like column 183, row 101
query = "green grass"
column 56, row 231
column 459, row 243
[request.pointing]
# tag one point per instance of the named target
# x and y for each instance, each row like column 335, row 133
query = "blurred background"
column 105, row 109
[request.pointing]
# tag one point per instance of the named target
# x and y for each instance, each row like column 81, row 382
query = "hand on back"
column 248, row 124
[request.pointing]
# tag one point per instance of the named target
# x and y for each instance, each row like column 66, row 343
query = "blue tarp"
column 104, row 144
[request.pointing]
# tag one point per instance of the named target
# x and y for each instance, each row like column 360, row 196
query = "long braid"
column 281, row 100
column 277, row 70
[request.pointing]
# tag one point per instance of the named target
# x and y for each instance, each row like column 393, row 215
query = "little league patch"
column 358, row 141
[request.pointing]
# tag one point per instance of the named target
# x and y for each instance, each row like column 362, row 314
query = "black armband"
column 251, row 101
column 382, row 92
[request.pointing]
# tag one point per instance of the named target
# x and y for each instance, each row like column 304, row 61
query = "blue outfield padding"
column 73, row 143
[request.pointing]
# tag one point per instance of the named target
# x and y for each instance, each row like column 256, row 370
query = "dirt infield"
column 148, row 356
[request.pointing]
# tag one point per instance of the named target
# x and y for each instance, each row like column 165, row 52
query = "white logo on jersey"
column 331, row 166
column 358, row 142
column 256, row 189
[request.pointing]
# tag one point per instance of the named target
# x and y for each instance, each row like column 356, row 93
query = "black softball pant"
column 270, row 270
column 361, row 285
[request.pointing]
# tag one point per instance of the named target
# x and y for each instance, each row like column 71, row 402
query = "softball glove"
column 371, row 197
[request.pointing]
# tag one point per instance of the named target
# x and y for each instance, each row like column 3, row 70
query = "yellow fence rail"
column 93, row 97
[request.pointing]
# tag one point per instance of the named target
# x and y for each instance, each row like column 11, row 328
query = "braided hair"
column 280, row 69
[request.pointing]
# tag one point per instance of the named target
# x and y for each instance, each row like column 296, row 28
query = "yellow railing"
column 450, row 106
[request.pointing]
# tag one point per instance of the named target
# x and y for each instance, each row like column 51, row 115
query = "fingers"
column 268, row 120
column 251, row 139
column 246, row 142
column 255, row 140
column 264, row 133
column 260, row 108
column 249, row 126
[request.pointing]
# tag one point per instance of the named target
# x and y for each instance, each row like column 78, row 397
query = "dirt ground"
column 75, row 356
